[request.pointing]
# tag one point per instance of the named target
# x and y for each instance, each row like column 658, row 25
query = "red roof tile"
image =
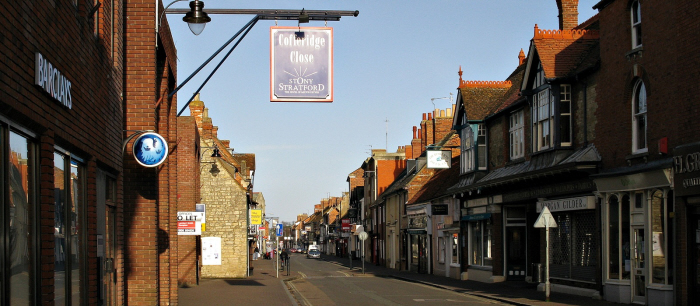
column 560, row 51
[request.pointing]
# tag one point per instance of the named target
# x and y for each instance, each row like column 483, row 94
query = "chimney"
column 415, row 130
column 215, row 131
column 521, row 57
column 207, row 125
column 196, row 110
column 568, row 14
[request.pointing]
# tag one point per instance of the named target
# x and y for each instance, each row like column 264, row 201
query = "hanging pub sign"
column 301, row 64
column 150, row 149
column 439, row 159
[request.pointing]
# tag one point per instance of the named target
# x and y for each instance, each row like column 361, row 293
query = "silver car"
column 313, row 254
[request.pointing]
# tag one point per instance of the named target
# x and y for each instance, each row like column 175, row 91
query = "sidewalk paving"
column 518, row 293
column 261, row 288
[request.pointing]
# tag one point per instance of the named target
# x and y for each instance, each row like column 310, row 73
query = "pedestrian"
column 284, row 256
column 256, row 253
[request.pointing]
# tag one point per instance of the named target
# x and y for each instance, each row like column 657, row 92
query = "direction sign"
column 279, row 229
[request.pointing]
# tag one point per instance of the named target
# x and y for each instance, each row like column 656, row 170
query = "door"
column 639, row 287
column 515, row 252
column 694, row 260
column 106, row 237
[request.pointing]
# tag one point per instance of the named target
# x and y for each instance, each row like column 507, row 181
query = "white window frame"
column 517, row 134
column 565, row 118
column 467, row 146
column 542, row 120
column 481, row 149
column 639, row 114
column 636, row 24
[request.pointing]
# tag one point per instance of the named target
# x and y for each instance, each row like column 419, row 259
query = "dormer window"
column 636, row 14
column 473, row 155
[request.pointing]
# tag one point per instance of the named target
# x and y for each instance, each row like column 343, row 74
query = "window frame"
column 636, row 24
column 639, row 95
column 565, row 119
column 481, row 148
column 516, row 132
column 81, row 219
column 7, row 129
column 486, row 238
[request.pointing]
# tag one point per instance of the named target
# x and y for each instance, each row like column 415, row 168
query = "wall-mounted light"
column 196, row 18
column 214, row 170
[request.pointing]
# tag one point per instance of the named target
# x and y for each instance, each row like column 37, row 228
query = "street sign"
column 545, row 219
column 363, row 236
column 279, row 229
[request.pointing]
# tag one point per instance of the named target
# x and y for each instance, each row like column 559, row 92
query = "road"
column 319, row 282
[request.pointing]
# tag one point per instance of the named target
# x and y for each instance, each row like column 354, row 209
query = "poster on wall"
column 301, row 64
column 211, row 251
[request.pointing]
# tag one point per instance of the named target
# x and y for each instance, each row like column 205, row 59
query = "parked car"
column 313, row 254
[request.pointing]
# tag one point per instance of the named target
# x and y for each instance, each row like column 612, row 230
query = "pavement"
column 263, row 287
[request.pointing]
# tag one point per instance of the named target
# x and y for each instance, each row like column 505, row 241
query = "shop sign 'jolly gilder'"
column 301, row 64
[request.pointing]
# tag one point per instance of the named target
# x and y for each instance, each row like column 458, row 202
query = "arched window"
column 636, row 14
column 639, row 118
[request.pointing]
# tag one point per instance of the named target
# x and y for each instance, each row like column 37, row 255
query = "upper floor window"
column 565, row 114
column 517, row 135
column 636, row 13
column 639, row 118
column 481, row 147
column 542, row 120
column 473, row 148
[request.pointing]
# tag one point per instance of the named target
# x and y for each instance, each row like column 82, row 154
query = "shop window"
column 480, row 239
column 573, row 247
column 69, row 241
column 618, row 243
column 662, row 240
column 19, row 221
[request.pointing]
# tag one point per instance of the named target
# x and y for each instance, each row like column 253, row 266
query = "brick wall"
column 63, row 33
column 188, row 195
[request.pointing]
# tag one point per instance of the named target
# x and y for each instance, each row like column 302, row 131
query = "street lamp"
column 196, row 18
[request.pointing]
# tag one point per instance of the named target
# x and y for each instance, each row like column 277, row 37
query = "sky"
column 389, row 62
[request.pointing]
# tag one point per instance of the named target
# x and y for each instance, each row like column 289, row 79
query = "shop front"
column 573, row 244
column 637, row 234
column 478, row 220
column 418, row 239
column 686, row 179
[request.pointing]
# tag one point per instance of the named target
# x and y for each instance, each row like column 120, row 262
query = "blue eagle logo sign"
column 150, row 149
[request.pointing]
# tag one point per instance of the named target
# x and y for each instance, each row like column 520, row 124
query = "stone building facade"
column 226, row 191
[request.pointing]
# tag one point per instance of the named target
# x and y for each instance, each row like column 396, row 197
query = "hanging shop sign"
column 51, row 80
column 346, row 224
column 439, row 159
column 150, row 149
column 577, row 203
column 439, row 209
column 301, row 64
column 256, row 216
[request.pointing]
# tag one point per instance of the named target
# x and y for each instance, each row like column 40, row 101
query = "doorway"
column 516, row 243
column 694, row 258
column 639, row 266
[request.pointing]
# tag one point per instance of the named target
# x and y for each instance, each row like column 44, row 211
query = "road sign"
column 279, row 229
column 545, row 219
column 363, row 236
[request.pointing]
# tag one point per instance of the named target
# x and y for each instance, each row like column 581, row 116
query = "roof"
column 438, row 184
column 249, row 159
column 479, row 98
column 551, row 162
column 562, row 51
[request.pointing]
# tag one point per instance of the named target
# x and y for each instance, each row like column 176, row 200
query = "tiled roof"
column 479, row 101
column 438, row 184
column 249, row 159
column 561, row 51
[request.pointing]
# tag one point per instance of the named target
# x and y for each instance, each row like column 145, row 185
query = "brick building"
column 648, row 112
column 61, row 120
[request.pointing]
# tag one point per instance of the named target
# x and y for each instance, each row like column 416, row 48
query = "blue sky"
column 388, row 64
